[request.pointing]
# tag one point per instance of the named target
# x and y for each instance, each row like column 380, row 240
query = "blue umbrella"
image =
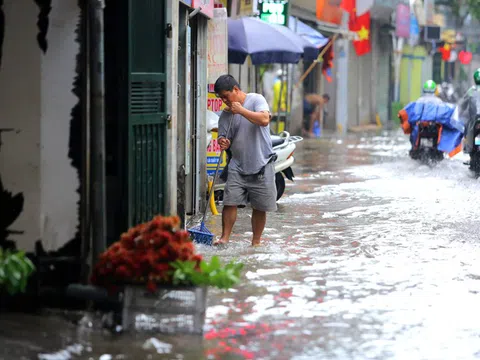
column 264, row 42
column 310, row 50
column 306, row 32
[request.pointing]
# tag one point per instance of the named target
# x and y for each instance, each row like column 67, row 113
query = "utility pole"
column 97, row 127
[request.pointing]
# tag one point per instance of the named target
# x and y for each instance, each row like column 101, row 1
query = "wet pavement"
column 370, row 256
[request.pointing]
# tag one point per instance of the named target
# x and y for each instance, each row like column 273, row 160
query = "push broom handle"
column 216, row 173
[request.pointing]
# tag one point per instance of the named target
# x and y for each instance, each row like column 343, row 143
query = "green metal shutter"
column 147, row 110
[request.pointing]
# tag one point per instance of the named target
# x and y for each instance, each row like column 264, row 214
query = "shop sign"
column 206, row 6
column 213, row 154
column 275, row 12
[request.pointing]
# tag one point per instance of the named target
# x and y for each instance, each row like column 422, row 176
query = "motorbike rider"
column 468, row 111
column 430, row 107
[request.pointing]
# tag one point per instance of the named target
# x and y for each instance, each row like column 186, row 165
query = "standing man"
column 244, row 129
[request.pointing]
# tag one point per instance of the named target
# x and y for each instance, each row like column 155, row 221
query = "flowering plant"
column 159, row 252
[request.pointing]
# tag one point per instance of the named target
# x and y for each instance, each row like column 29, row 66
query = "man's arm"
column 259, row 116
column 223, row 120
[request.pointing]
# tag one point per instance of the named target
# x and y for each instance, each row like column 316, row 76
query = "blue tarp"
column 441, row 113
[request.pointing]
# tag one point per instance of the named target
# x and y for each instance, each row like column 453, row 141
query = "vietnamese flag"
column 361, row 25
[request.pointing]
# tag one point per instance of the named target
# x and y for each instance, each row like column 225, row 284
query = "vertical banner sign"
column 402, row 19
column 217, row 62
column 414, row 30
column 188, row 97
column 217, row 42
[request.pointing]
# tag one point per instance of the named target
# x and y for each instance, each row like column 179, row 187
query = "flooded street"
column 370, row 256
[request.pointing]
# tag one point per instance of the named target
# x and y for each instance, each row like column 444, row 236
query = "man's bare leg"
column 259, row 219
column 229, row 216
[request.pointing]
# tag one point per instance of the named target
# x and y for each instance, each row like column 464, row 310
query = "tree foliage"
column 458, row 7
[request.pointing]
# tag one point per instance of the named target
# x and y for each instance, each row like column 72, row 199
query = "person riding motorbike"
column 469, row 113
column 430, row 118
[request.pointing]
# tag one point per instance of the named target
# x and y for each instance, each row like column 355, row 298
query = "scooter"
column 425, row 147
column 283, row 144
column 472, row 136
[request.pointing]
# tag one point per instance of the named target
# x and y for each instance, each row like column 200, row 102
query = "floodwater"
column 371, row 255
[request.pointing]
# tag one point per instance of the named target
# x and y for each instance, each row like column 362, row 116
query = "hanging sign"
column 402, row 19
column 275, row 12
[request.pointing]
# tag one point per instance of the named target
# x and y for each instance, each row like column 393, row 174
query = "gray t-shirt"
column 251, row 144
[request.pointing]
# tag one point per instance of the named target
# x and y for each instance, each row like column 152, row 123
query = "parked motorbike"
column 284, row 146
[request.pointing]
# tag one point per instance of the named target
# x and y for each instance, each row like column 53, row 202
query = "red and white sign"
column 206, row 6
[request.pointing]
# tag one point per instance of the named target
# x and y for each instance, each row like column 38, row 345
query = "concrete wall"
column 36, row 100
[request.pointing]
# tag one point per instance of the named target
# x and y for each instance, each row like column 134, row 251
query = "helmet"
column 476, row 76
column 429, row 87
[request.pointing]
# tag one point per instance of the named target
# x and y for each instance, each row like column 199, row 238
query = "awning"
column 306, row 32
column 329, row 29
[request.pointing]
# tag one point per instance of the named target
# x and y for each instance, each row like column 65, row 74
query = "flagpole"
column 315, row 62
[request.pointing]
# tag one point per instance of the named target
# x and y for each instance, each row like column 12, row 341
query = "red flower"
column 123, row 272
column 127, row 241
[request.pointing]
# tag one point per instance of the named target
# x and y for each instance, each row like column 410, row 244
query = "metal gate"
column 147, row 110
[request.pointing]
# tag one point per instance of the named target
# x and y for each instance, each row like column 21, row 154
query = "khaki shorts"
column 261, row 192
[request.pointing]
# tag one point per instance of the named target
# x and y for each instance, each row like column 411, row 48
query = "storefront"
column 192, row 105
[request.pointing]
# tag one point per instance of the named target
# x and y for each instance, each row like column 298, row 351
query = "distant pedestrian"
column 313, row 109
column 251, row 173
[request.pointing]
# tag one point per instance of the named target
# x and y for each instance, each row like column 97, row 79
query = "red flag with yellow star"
column 361, row 25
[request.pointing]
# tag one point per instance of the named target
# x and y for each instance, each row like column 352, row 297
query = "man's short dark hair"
column 225, row 83
column 326, row 97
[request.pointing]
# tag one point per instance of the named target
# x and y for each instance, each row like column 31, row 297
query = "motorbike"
column 470, row 115
column 425, row 147
column 434, row 129
column 283, row 144
column 475, row 153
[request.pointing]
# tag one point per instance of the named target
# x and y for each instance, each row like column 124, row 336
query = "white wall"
column 20, row 108
column 36, row 99
column 59, row 180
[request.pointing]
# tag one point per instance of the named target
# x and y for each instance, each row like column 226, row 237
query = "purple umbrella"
column 265, row 43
